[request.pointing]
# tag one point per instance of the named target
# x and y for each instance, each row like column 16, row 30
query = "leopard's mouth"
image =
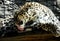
column 20, row 27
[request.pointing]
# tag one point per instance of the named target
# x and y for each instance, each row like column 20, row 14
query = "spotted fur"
column 40, row 15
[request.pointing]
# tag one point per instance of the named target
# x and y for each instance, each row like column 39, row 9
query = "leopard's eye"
column 20, row 22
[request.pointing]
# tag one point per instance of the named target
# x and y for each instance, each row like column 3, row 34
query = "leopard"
column 37, row 15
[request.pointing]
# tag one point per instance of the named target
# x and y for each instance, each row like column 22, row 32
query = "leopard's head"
column 22, row 18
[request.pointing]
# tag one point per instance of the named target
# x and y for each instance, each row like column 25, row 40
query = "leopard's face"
column 25, row 17
column 21, row 20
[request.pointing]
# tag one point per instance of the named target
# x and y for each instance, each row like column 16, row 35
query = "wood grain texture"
column 34, row 37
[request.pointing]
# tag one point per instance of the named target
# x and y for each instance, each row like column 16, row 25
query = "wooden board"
column 32, row 37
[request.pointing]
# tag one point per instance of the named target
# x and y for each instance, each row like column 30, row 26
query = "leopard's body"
column 40, row 15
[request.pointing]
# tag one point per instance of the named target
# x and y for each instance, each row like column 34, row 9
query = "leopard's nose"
column 20, row 27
